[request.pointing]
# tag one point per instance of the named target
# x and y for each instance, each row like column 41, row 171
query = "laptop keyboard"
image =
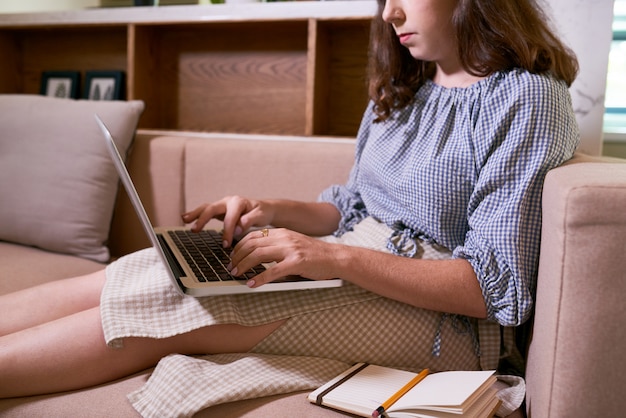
column 205, row 255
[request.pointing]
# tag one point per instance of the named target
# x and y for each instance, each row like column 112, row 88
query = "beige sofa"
column 575, row 365
column 173, row 172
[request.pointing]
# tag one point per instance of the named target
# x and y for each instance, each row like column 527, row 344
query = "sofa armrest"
column 575, row 360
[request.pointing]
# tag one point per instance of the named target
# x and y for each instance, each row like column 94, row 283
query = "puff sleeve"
column 532, row 130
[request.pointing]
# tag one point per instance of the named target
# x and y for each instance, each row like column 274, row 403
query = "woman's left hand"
column 294, row 254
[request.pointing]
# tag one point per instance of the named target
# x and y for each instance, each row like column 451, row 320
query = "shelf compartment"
column 227, row 76
column 10, row 70
column 338, row 66
column 60, row 49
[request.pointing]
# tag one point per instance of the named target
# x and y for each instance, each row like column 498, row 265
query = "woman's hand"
column 238, row 214
column 294, row 254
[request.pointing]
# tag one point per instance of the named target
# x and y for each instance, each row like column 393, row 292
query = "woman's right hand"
column 238, row 213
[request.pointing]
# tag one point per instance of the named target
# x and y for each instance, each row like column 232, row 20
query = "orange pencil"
column 394, row 398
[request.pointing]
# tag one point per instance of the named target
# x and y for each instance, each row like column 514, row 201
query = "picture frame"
column 104, row 85
column 62, row 84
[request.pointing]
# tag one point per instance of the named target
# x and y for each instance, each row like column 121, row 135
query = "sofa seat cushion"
column 110, row 400
column 24, row 266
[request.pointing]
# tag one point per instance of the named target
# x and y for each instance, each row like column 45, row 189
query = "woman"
column 436, row 232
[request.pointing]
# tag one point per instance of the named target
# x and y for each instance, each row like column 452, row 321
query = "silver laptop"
column 196, row 262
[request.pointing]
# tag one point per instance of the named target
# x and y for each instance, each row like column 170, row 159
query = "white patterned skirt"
column 343, row 325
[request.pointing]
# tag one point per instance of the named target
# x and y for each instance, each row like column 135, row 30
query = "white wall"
column 19, row 6
column 586, row 26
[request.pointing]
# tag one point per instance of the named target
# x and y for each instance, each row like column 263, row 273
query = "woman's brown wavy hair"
column 492, row 35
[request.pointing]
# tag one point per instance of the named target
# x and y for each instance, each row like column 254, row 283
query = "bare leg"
column 47, row 302
column 70, row 353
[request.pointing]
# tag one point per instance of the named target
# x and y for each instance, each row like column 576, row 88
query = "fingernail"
column 238, row 230
column 234, row 272
column 225, row 244
column 250, row 283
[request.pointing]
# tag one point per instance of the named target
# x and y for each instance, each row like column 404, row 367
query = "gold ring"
column 265, row 232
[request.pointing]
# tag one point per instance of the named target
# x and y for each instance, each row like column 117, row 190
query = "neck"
column 454, row 76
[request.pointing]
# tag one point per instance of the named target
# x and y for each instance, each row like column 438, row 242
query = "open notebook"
column 196, row 262
column 369, row 390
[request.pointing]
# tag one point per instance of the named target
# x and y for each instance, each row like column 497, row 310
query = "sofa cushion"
column 267, row 167
column 24, row 266
column 56, row 178
column 109, row 400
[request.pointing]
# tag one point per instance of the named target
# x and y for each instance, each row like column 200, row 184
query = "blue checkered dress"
column 464, row 168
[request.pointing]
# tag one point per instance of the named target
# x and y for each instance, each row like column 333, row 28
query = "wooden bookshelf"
column 293, row 68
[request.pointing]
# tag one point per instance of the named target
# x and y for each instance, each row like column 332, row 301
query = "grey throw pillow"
column 57, row 183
